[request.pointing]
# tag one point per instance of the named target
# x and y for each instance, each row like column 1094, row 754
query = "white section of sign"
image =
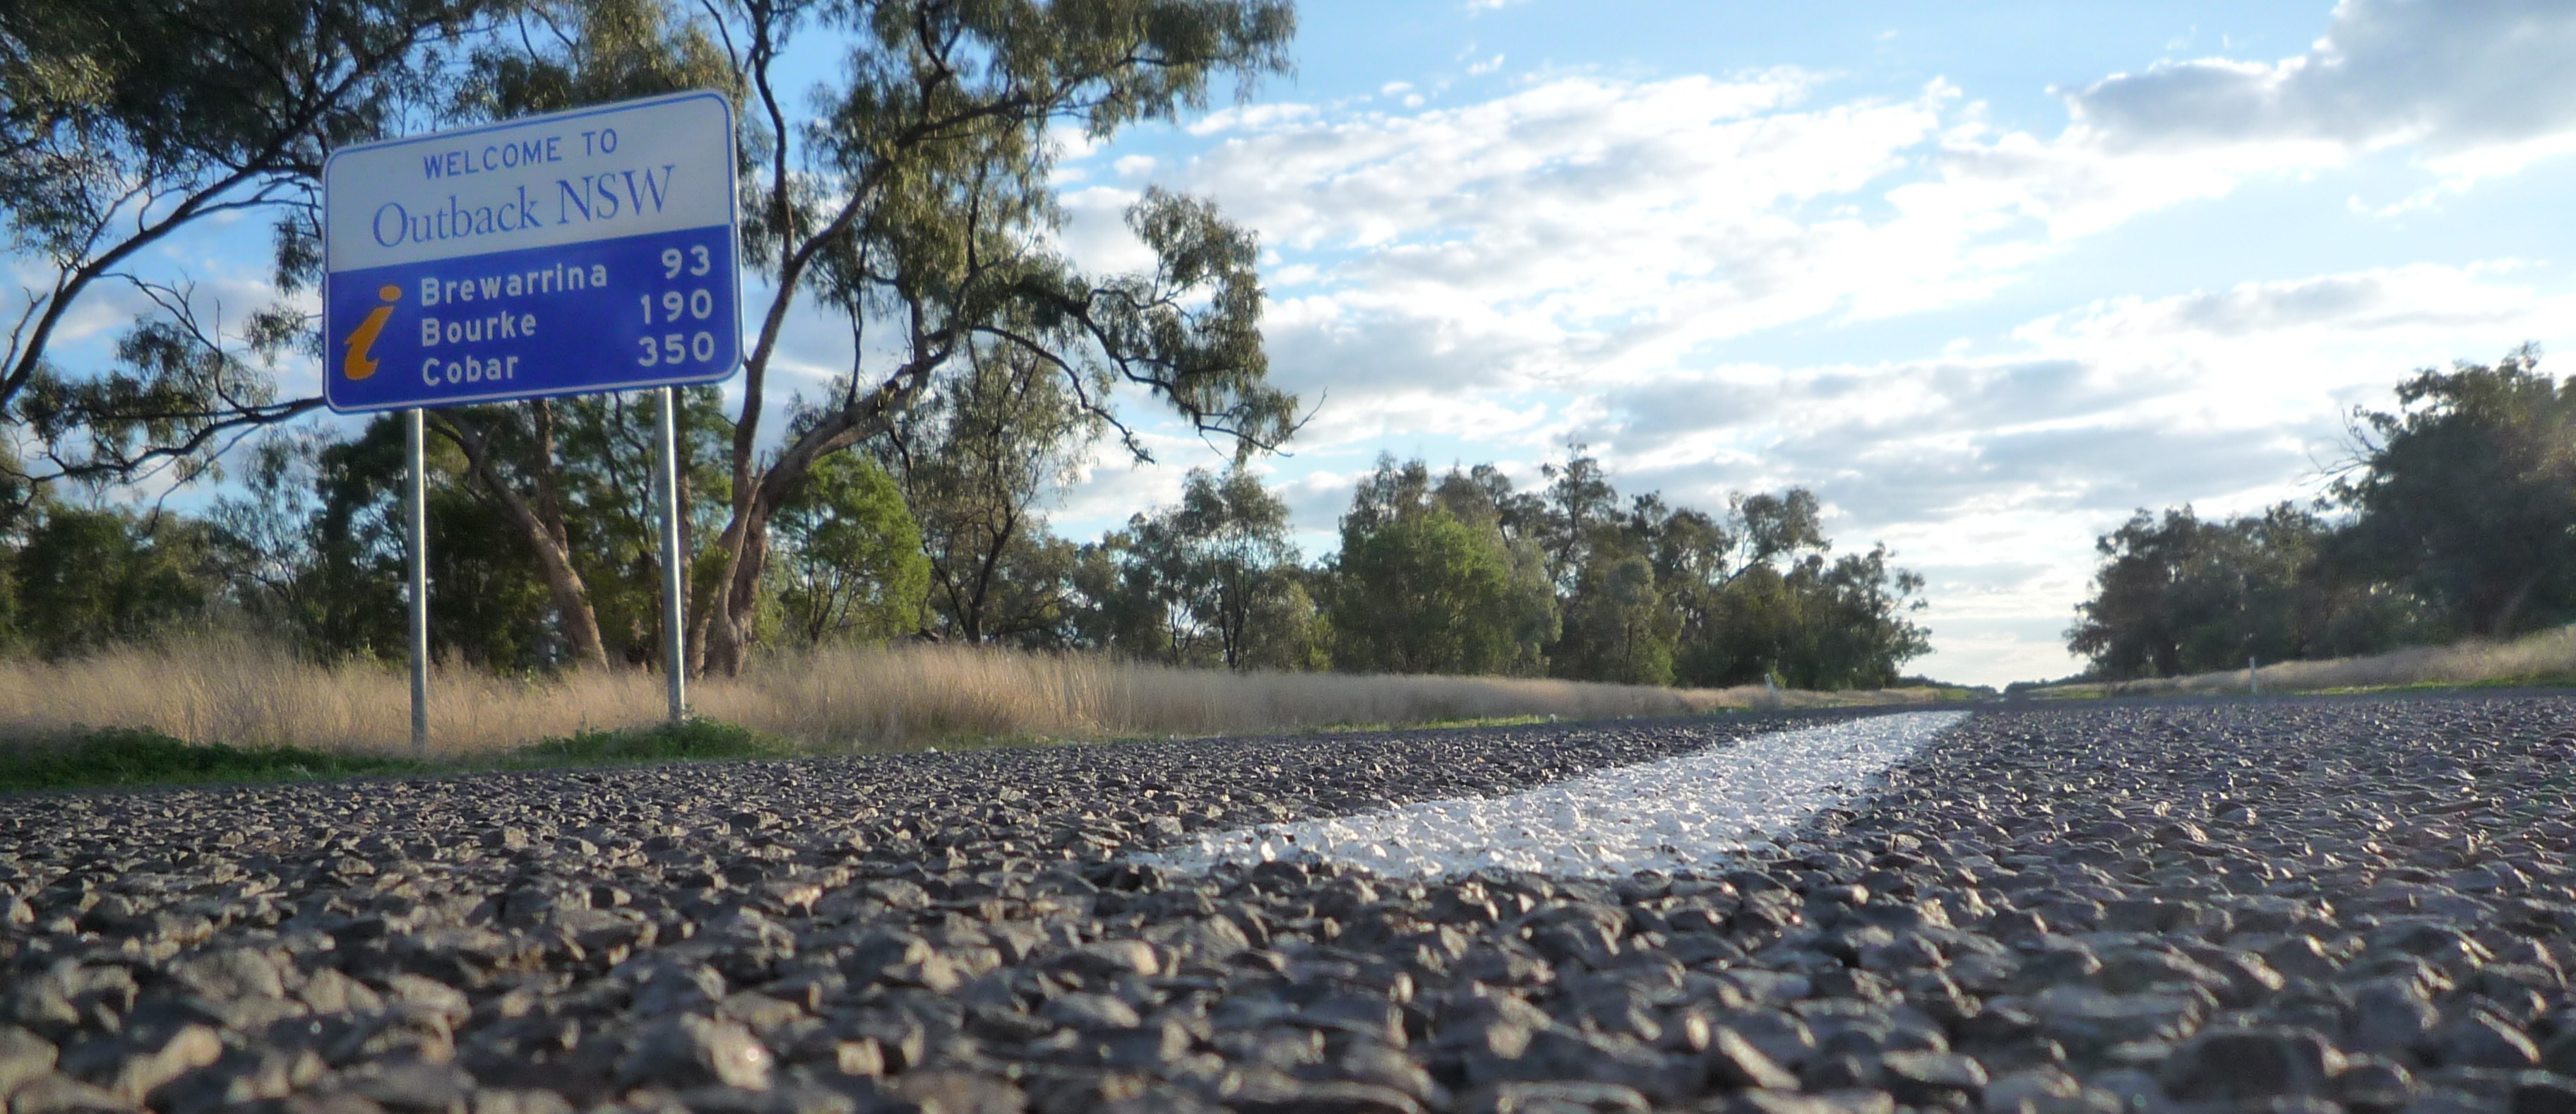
column 1678, row 814
column 619, row 170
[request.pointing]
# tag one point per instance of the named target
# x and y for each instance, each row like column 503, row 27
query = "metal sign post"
column 416, row 539
column 675, row 663
column 586, row 251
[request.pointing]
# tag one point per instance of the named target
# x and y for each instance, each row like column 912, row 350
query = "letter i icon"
column 358, row 364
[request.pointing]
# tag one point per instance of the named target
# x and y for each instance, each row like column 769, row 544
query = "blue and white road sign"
column 592, row 250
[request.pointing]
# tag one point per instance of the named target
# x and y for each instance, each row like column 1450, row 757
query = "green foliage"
column 2460, row 518
column 1761, row 595
column 851, row 556
column 316, row 552
column 1852, row 633
column 1212, row 580
column 563, row 54
column 917, row 197
column 311, row 548
column 688, row 740
column 1566, row 582
column 123, row 122
column 920, row 205
column 1423, row 594
column 1617, row 627
column 2180, row 595
column 87, row 579
column 2466, row 495
column 605, row 461
column 973, row 462
column 1419, row 588
column 131, row 756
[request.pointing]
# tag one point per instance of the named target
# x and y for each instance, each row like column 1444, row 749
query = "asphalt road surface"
column 2135, row 907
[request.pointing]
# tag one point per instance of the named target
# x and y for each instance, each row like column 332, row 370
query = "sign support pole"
column 666, row 475
column 444, row 290
column 416, row 537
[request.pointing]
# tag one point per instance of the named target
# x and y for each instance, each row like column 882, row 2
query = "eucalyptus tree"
column 853, row 567
column 974, row 461
column 2466, row 493
column 586, row 537
column 916, row 206
column 124, row 123
column 1220, row 573
column 1427, row 583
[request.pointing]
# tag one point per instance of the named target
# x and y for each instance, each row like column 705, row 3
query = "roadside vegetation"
column 910, row 198
column 241, row 693
column 131, row 756
column 2442, row 552
column 2546, row 658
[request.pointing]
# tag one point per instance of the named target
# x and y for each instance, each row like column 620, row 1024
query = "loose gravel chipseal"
column 2355, row 905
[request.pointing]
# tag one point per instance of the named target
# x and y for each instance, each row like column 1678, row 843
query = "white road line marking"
column 1679, row 813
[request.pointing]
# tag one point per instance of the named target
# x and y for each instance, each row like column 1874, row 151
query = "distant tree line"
column 2454, row 515
column 936, row 532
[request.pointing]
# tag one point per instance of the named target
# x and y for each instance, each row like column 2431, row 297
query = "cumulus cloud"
column 1575, row 257
column 2422, row 296
column 1574, row 228
column 2116, row 403
column 1584, row 229
column 2453, row 77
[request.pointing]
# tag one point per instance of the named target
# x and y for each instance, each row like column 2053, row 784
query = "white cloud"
column 2465, row 81
column 1245, row 117
column 1577, row 225
column 2422, row 297
column 1574, row 257
column 2114, row 403
column 1590, row 230
column 1111, row 486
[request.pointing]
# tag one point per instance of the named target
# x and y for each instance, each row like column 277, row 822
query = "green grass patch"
column 690, row 740
column 133, row 756
column 122, row 756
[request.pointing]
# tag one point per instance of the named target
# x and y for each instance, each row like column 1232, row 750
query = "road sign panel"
column 593, row 250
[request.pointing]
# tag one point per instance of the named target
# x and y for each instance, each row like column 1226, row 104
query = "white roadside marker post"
column 2253, row 678
column 416, row 540
column 666, row 476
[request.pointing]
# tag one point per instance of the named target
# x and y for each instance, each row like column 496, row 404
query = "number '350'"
column 676, row 348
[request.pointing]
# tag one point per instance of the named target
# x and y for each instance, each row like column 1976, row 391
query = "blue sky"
column 1985, row 277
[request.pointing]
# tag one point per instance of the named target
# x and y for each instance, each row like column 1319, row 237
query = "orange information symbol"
column 358, row 364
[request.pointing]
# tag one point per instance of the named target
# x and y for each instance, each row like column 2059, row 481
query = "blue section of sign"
column 607, row 315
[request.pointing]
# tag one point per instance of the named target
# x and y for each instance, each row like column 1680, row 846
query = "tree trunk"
column 730, row 622
column 542, row 523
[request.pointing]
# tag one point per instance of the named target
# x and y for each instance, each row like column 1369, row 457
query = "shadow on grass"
column 119, row 756
column 133, row 756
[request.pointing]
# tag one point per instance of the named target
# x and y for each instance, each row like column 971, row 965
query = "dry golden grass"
column 2546, row 657
column 239, row 691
